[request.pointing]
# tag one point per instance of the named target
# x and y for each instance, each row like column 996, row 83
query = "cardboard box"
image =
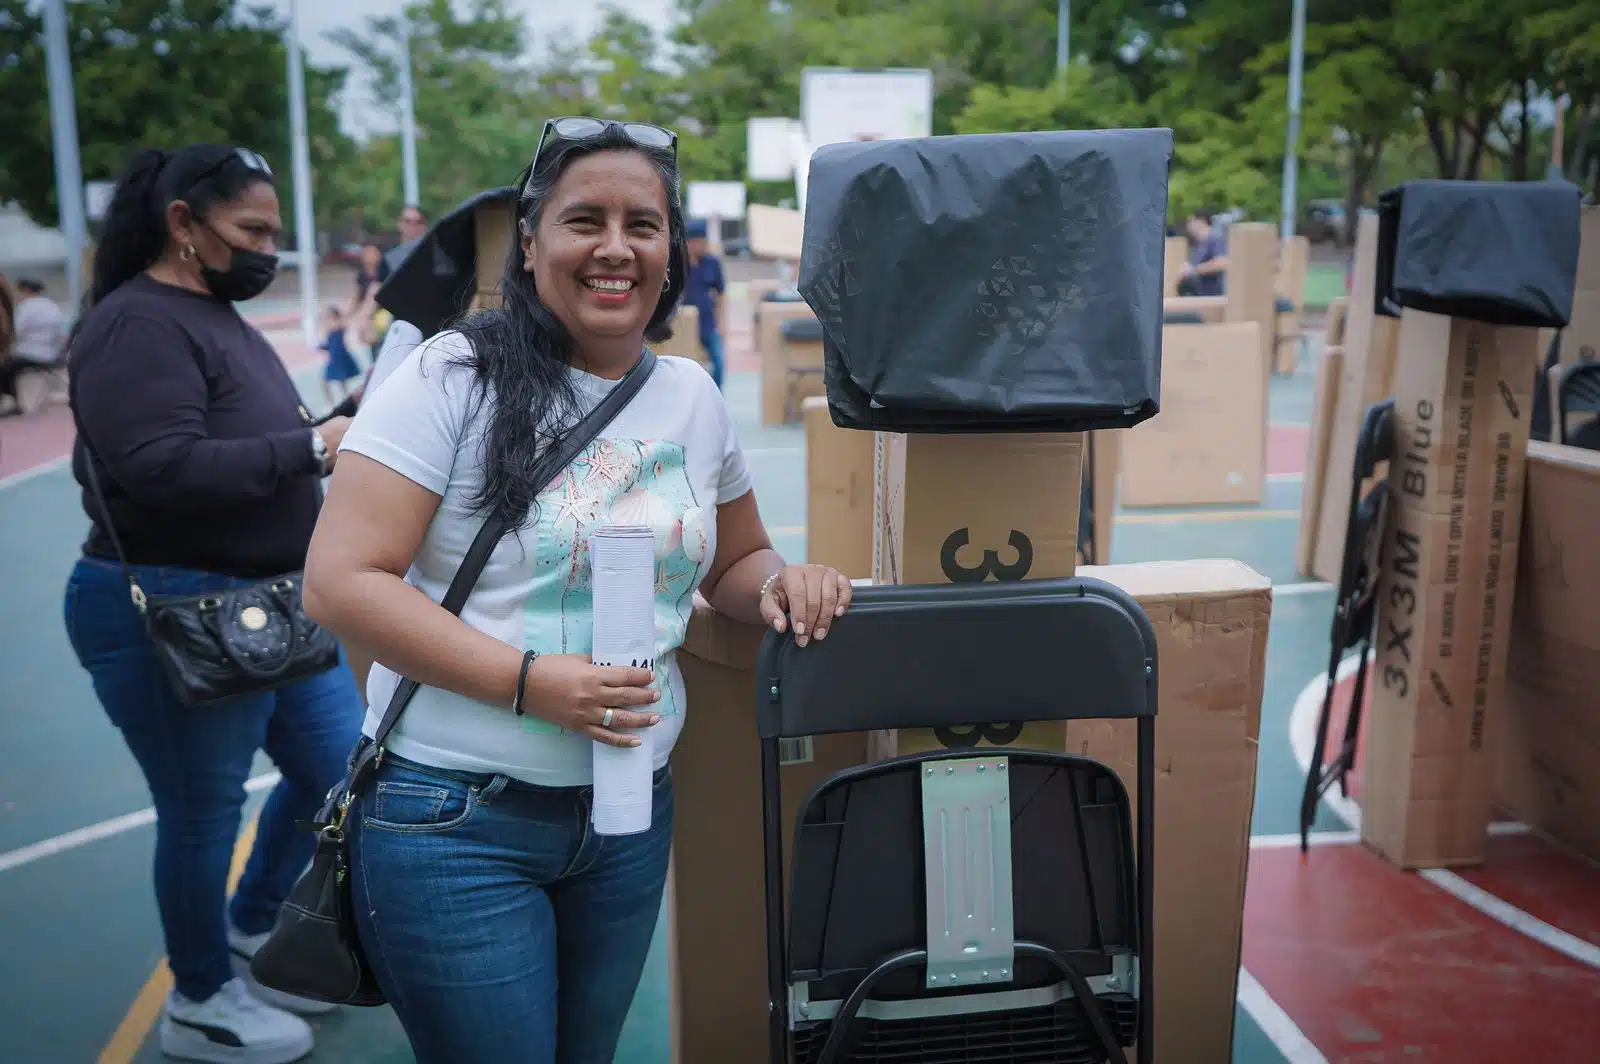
column 718, row 940
column 1213, row 310
column 1338, row 313
column 1005, row 505
column 1208, row 444
column 1547, row 750
column 1463, row 395
column 1252, row 292
column 1177, row 253
column 770, row 351
column 1211, row 620
column 1294, row 262
column 1325, row 397
column 775, row 232
column 1370, row 343
column 685, row 341
column 1103, row 463
column 839, row 472
column 492, row 230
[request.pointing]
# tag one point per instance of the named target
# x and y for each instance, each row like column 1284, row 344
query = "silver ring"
column 605, row 721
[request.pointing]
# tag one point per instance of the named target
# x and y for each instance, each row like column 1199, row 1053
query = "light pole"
column 1291, row 151
column 408, row 119
column 305, row 227
column 1063, row 34
column 64, row 139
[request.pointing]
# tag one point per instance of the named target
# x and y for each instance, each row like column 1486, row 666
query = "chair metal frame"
column 920, row 656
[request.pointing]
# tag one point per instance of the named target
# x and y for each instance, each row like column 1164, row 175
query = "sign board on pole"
column 769, row 149
column 716, row 199
column 838, row 104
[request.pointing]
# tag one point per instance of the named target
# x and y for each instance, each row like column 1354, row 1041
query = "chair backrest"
column 1578, row 393
column 858, row 890
column 944, row 655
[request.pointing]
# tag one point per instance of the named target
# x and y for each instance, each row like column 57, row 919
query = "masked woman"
column 201, row 474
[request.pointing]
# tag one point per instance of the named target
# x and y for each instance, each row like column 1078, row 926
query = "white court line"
column 1276, row 1024
column 1302, row 736
column 1518, row 920
column 1309, row 587
column 33, row 471
column 103, row 830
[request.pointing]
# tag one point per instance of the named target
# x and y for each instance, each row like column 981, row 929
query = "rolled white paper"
column 622, row 560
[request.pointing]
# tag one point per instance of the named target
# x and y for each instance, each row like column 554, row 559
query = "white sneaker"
column 244, row 947
column 232, row 1027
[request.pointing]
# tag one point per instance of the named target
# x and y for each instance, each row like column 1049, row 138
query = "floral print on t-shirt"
column 616, row 482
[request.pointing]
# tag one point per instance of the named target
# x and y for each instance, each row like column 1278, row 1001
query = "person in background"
column 412, row 226
column 341, row 367
column 1206, row 272
column 500, row 925
column 8, row 375
column 38, row 341
column 703, row 290
column 212, row 477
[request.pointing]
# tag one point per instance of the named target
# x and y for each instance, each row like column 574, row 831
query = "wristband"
column 528, row 658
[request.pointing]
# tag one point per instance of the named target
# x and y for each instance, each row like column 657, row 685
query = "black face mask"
column 247, row 276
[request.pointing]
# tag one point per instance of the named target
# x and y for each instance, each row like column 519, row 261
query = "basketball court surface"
column 1346, row 960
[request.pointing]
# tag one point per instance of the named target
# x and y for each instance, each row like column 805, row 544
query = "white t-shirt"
column 668, row 460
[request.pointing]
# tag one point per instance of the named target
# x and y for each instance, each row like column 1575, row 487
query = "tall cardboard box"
column 839, row 478
column 1208, row 444
column 974, row 507
column 1211, row 620
column 770, row 351
column 1252, row 287
column 1102, row 465
column 1370, row 343
column 1547, row 754
column 1324, row 401
column 718, row 937
column 1463, row 394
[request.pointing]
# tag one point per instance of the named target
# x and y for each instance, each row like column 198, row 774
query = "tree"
column 152, row 73
column 478, row 113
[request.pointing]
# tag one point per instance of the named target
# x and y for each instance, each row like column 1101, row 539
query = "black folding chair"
column 1355, row 609
column 963, row 905
column 1579, row 393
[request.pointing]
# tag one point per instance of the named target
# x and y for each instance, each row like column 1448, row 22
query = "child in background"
column 341, row 368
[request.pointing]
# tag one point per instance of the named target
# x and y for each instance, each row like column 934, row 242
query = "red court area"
column 1376, row 965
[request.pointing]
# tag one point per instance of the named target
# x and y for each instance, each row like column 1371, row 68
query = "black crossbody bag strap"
column 489, row 536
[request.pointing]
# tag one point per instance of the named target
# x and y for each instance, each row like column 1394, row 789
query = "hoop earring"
column 187, row 253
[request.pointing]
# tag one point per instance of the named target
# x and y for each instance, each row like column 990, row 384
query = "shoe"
column 232, row 1027
column 244, row 947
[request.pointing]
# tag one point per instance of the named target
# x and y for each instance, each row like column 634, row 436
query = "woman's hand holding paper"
column 569, row 690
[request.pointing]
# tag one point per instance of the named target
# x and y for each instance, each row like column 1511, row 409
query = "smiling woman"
column 497, row 922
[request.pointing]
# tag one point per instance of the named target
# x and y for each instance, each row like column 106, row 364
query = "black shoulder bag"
column 313, row 951
column 227, row 643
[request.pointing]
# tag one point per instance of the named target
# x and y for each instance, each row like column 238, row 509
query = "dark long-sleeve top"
column 198, row 435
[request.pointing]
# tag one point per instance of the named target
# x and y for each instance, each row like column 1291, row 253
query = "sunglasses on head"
column 251, row 160
column 576, row 129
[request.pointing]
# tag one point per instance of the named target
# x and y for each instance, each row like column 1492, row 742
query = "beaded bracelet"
column 766, row 585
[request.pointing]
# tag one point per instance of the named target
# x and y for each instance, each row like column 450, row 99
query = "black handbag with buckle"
column 223, row 644
column 313, row 951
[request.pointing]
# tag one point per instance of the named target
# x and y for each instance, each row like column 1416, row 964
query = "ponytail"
column 135, row 227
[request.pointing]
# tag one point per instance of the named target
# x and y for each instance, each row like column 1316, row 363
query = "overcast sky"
column 544, row 18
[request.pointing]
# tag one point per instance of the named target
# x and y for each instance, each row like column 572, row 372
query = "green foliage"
column 1392, row 88
column 153, row 73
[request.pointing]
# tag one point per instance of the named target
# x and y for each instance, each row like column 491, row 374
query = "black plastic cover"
column 1501, row 252
column 995, row 283
column 437, row 280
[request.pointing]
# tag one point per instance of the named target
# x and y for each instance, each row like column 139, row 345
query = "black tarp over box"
column 1499, row 252
column 997, row 283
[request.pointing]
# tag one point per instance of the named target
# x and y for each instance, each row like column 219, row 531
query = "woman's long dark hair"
column 135, row 230
column 521, row 351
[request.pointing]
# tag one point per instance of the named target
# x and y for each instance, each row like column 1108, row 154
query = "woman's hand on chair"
column 573, row 692
column 805, row 599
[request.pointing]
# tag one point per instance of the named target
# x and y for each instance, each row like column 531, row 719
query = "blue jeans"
column 196, row 761
column 712, row 342
column 502, row 929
